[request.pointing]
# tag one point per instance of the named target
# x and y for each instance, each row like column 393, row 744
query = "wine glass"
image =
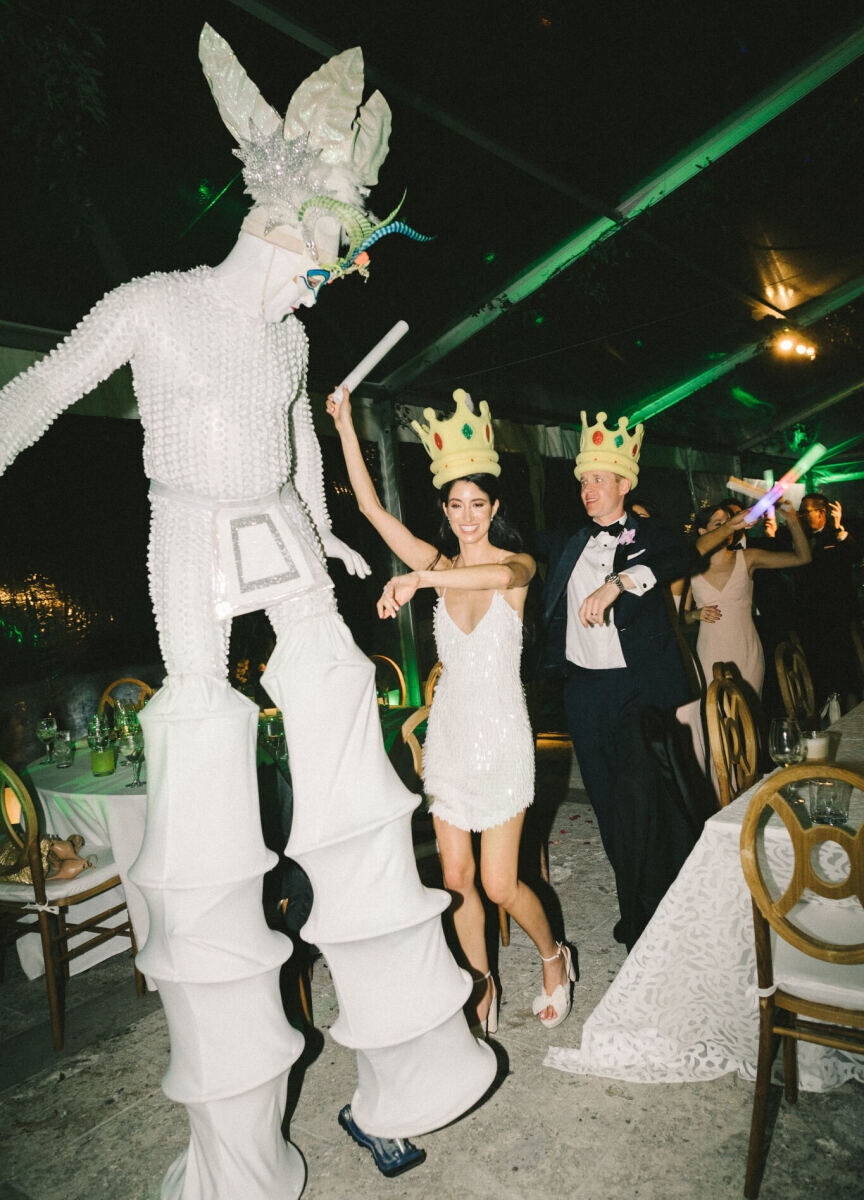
column 46, row 732
column 786, row 743
column 132, row 746
column 125, row 718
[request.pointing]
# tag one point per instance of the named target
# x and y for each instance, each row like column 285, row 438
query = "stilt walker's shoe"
column 561, row 999
column 392, row 1155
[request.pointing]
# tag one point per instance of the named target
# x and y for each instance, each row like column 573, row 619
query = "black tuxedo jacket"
column 648, row 642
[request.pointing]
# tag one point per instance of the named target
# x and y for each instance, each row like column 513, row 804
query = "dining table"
column 684, row 1005
column 108, row 813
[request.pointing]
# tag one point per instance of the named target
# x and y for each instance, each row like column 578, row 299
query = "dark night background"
column 515, row 125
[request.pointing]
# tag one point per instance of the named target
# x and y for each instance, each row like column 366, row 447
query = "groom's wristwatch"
column 616, row 579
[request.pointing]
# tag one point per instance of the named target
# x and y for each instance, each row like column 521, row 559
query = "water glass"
column 63, row 749
column 817, row 745
column 785, row 742
column 829, row 801
column 102, row 758
column 272, row 731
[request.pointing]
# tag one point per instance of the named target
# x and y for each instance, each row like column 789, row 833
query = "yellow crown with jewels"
column 609, row 449
column 462, row 444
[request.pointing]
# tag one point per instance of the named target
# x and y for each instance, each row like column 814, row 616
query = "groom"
column 609, row 633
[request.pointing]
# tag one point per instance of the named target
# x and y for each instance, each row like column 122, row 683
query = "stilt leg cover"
column 209, row 949
column 400, row 992
column 237, row 1153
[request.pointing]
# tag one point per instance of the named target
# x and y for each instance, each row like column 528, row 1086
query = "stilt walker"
column 239, row 523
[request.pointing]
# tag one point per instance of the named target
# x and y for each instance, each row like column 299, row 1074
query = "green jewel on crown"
column 467, row 431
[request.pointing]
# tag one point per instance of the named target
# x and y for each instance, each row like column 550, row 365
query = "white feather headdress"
column 327, row 145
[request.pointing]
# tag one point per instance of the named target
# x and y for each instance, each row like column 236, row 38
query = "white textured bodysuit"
column 226, row 419
column 222, row 401
column 478, row 758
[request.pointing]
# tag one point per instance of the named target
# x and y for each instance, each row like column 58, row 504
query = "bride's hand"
column 339, row 408
column 398, row 591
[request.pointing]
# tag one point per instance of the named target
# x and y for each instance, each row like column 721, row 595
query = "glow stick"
column 802, row 466
column 374, row 356
column 734, row 484
column 768, row 476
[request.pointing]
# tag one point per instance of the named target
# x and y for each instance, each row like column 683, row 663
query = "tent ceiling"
column 517, row 127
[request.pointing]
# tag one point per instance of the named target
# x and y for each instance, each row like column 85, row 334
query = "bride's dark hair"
column 502, row 532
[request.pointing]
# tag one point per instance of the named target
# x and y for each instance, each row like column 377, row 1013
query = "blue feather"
column 394, row 227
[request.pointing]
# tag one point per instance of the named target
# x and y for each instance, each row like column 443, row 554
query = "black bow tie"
column 613, row 530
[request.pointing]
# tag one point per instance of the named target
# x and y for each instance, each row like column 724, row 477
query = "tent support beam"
column 770, row 104
column 804, row 315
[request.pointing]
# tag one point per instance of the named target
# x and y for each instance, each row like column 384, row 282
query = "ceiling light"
column 790, row 342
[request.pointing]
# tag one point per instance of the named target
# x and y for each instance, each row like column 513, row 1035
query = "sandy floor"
column 92, row 1121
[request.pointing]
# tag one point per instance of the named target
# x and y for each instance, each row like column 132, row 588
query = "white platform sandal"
column 561, row 999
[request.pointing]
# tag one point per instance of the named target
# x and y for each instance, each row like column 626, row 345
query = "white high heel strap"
column 557, row 953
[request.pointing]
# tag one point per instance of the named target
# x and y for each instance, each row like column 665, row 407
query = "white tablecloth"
column 684, row 1005
column 106, row 813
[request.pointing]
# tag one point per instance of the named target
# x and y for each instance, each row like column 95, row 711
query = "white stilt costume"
column 220, row 383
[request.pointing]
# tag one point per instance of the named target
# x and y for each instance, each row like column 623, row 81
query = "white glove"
column 355, row 564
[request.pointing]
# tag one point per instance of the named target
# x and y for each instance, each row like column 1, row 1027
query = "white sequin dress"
column 478, row 758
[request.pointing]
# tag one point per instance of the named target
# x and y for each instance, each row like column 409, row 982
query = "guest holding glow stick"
column 721, row 596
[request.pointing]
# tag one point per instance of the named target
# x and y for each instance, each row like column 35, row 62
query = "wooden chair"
column 49, row 900
column 410, row 739
column 731, row 734
column 431, row 683
column 304, row 978
column 408, row 734
column 129, row 684
column 389, row 677
column 811, row 981
column 796, row 686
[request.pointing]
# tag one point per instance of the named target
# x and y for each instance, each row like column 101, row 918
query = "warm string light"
column 792, row 344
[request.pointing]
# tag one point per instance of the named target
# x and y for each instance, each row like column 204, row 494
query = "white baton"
column 374, row 356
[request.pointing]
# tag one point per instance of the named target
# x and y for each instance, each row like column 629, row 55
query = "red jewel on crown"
column 635, row 451
column 488, row 434
column 597, row 439
column 438, row 441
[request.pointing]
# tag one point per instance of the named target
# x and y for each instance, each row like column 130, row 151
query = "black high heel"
column 490, row 1022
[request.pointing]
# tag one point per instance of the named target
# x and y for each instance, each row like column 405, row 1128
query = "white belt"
column 262, row 557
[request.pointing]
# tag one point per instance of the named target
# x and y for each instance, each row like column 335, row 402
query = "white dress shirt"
column 599, row 647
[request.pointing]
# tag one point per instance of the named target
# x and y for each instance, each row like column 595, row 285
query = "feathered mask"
column 312, row 170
